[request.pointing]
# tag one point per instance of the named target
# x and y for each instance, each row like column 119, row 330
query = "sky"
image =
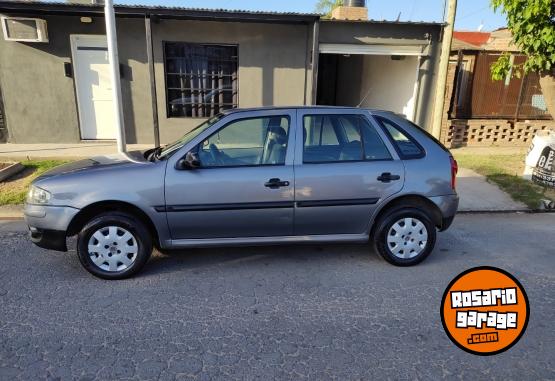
column 470, row 13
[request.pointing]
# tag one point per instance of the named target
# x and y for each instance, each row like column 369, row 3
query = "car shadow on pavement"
column 305, row 257
column 255, row 256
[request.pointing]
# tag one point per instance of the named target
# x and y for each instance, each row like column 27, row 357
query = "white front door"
column 93, row 87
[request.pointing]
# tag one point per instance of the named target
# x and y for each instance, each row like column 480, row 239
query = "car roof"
column 237, row 110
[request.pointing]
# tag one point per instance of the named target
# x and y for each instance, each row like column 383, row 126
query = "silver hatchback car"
column 254, row 177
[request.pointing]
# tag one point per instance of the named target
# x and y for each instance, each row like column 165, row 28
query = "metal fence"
column 483, row 98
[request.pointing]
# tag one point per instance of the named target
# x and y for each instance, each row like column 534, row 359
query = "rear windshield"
column 407, row 147
column 440, row 144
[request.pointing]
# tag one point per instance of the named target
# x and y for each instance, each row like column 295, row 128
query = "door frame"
column 367, row 115
column 73, row 43
column 228, row 119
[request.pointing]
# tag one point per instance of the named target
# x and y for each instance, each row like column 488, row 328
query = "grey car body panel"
column 231, row 206
column 105, row 179
column 278, row 240
column 352, row 182
column 49, row 217
column 237, row 194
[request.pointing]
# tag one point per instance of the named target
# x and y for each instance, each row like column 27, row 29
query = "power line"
column 473, row 13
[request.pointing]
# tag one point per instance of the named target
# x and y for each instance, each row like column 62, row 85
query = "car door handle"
column 276, row 183
column 387, row 177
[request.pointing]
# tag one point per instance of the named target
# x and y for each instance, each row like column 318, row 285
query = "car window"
column 407, row 147
column 247, row 142
column 319, row 131
column 178, row 144
column 338, row 138
column 351, row 128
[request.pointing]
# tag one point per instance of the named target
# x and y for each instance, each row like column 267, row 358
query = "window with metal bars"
column 201, row 79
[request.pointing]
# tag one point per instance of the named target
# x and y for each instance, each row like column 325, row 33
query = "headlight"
column 37, row 195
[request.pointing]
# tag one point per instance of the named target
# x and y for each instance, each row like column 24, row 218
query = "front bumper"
column 48, row 225
column 48, row 239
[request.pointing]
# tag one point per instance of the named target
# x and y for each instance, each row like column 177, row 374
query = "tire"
column 400, row 246
column 119, row 244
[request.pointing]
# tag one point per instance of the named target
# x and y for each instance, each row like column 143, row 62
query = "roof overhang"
column 391, row 50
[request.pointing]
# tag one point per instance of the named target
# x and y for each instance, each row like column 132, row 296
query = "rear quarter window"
column 407, row 147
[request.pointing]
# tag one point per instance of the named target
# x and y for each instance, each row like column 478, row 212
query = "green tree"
column 324, row 7
column 532, row 24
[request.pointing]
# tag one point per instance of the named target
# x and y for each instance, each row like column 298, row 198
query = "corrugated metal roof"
column 27, row 4
column 472, row 37
column 386, row 22
column 74, row 7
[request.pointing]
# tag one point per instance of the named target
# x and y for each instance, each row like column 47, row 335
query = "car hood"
column 95, row 163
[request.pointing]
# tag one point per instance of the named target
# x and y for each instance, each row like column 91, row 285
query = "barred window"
column 201, row 79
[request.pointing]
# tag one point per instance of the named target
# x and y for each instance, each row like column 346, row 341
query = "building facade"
column 181, row 66
column 482, row 112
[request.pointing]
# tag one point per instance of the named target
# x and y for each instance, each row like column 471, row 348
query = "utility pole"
column 439, row 100
column 110, row 18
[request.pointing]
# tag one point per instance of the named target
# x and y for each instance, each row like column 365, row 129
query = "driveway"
column 297, row 312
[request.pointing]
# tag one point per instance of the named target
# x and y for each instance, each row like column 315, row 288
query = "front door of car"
column 345, row 167
column 243, row 186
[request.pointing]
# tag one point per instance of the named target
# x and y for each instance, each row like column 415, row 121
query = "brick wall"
column 350, row 13
column 492, row 132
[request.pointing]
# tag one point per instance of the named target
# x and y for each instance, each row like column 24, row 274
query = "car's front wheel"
column 114, row 245
column 405, row 236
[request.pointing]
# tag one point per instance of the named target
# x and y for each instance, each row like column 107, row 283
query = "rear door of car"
column 344, row 167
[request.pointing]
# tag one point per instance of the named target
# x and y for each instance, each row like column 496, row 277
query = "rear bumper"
column 448, row 205
column 48, row 239
column 446, row 223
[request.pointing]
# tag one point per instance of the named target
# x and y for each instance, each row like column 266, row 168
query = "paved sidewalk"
column 66, row 151
column 477, row 194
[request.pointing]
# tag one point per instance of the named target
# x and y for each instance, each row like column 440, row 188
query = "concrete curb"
column 11, row 212
column 11, row 170
column 523, row 211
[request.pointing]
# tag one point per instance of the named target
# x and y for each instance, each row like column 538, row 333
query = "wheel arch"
column 97, row 208
column 411, row 200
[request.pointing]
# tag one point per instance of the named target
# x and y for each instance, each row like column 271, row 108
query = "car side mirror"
column 190, row 161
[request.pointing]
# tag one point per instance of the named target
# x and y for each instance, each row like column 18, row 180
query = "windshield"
column 171, row 148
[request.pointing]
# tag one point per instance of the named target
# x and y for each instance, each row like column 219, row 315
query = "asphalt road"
column 297, row 312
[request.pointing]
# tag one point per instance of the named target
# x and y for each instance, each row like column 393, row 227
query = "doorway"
column 380, row 81
column 93, row 86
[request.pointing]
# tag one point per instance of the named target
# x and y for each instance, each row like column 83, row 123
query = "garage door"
column 392, row 50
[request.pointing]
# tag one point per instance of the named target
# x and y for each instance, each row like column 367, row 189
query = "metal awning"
column 390, row 50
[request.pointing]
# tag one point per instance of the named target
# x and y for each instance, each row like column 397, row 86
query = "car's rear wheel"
column 114, row 245
column 405, row 236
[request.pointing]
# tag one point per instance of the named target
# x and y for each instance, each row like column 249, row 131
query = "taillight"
column 454, row 170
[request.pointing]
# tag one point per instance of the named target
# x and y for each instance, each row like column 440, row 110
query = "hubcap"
column 407, row 238
column 112, row 248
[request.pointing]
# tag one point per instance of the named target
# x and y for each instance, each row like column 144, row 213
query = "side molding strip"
column 265, row 205
column 235, row 206
column 347, row 202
